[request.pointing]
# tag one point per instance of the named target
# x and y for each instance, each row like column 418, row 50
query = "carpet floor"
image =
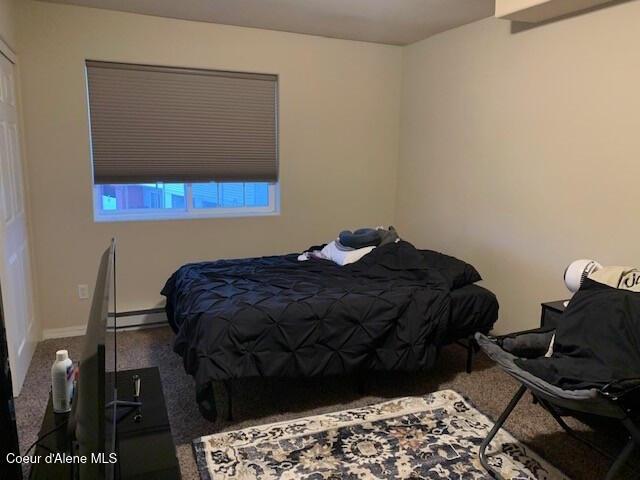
column 259, row 401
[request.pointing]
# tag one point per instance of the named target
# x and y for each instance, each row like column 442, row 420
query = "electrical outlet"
column 83, row 292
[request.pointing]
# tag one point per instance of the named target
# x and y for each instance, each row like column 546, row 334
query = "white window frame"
column 189, row 212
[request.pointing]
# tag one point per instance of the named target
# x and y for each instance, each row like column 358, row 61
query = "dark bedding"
column 473, row 309
column 276, row 316
column 597, row 343
column 456, row 272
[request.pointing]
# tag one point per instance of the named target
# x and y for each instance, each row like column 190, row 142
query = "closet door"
column 15, row 268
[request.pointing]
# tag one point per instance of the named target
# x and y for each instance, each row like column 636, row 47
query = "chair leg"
column 503, row 418
column 632, row 428
column 623, row 456
column 626, row 452
column 621, row 460
column 570, row 431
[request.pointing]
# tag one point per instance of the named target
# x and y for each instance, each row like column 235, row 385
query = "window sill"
column 159, row 217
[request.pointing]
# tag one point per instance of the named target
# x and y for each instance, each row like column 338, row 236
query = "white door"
column 15, row 268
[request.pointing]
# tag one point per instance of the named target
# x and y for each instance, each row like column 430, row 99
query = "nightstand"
column 551, row 313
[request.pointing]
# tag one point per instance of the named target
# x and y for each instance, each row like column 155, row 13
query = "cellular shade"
column 164, row 124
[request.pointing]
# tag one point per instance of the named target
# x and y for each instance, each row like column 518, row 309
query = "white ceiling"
column 397, row 22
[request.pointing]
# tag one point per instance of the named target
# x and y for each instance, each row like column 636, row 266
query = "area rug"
column 436, row 437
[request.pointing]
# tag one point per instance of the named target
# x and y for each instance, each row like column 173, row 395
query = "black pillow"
column 455, row 271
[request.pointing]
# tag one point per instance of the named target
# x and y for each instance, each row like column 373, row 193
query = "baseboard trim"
column 76, row 331
column 133, row 320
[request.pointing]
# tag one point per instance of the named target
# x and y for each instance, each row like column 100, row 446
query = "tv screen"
column 91, row 423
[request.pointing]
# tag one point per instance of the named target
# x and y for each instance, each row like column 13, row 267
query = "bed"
column 473, row 309
column 279, row 317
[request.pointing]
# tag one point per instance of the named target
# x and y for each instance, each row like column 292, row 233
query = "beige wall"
column 521, row 151
column 517, row 150
column 339, row 132
column 8, row 21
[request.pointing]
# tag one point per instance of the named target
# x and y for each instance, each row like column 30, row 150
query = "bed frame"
column 468, row 343
column 471, row 346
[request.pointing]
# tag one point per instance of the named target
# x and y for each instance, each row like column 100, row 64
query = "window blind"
column 164, row 124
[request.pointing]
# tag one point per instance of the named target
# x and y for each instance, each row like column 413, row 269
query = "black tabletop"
column 145, row 447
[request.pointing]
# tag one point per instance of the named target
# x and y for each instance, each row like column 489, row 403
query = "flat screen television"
column 92, row 425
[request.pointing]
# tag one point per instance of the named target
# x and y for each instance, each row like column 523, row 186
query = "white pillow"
column 342, row 257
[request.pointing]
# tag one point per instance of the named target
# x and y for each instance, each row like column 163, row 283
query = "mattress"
column 473, row 309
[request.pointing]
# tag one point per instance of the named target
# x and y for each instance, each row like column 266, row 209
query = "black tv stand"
column 125, row 407
column 123, row 403
column 135, row 458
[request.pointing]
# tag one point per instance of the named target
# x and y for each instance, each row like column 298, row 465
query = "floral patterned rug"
column 432, row 437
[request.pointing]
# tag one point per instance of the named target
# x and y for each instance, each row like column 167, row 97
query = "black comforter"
column 276, row 316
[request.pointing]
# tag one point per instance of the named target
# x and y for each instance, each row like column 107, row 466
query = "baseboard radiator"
column 133, row 320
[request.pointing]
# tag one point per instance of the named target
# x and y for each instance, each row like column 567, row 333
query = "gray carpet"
column 260, row 401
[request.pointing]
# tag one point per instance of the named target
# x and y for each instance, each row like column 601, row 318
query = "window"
column 170, row 142
column 157, row 201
